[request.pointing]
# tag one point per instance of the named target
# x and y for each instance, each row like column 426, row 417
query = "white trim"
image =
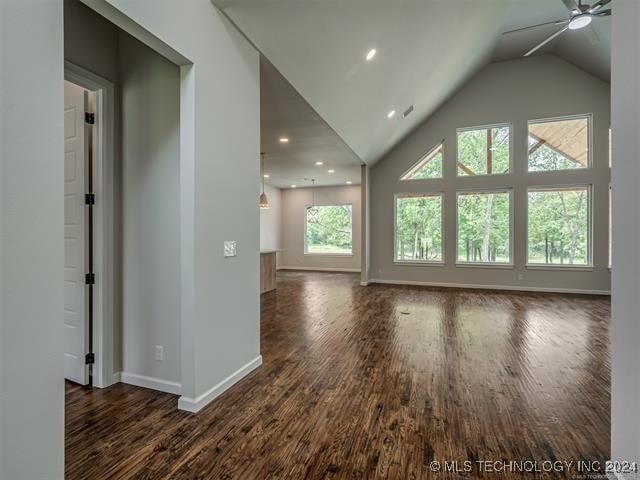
column 514, row 288
column 322, row 269
column 320, row 254
column 436, row 194
column 151, row 382
column 364, row 284
column 196, row 404
column 590, row 238
column 415, row 263
column 103, row 188
column 472, row 191
column 339, row 255
column 562, row 267
column 588, row 116
column 421, row 163
column 487, row 127
column 504, row 266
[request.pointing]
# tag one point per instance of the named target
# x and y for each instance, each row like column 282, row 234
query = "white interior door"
column 75, row 236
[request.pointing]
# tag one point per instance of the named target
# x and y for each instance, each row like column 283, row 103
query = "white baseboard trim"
column 113, row 379
column 322, row 269
column 151, row 382
column 196, row 404
column 513, row 288
column 364, row 284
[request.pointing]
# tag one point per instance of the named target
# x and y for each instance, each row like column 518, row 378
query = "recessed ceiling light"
column 293, row 186
column 319, row 163
column 391, row 114
column 266, row 175
column 332, row 171
column 349, row 182
column 284, row 140
column 371, row 54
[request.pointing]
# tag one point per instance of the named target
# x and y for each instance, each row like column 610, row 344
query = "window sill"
column 503, row 266
column 328, row 254
column 569, row 268
column 418, row 264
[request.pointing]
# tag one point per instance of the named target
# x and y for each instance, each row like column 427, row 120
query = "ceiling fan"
column 580, row 15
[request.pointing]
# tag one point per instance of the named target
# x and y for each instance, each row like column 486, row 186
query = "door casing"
column 103, row 139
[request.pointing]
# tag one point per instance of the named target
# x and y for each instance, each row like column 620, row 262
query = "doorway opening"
column 88, row 225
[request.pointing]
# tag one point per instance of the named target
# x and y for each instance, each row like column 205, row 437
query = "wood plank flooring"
column 372, row 382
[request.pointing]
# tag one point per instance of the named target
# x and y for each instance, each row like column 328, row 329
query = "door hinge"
column 89, row 118
column 90, row 278
column 89, row 199
column 90, row 359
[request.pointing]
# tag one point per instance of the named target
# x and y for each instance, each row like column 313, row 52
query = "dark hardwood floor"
column 372, row 382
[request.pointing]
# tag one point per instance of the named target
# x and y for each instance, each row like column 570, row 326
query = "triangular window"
column 429, row 166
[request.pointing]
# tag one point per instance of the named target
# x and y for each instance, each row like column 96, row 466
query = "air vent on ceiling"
column 407, row 112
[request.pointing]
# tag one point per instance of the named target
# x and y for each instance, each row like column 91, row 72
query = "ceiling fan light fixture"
column 580, row 21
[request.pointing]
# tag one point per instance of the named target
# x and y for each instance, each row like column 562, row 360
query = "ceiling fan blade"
column 571, row 5
column 597, row 6
column 602, row 13
column 555, row 22
column 543, row 43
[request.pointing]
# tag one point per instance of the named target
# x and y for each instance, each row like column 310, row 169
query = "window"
column 329, row 230
column 558, row 226
column 484, row 227
column 429, row 166
column 559, row 144
column 484, row 150
column 418, row 228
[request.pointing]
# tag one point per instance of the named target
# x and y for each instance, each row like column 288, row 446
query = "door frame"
column 103, row 221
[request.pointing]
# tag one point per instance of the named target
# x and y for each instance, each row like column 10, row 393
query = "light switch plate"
column 230, row 248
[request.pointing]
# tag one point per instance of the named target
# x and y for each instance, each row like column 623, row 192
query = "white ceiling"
column 426, row 50
column 284, row 113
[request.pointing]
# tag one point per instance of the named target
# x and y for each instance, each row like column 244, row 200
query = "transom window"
column 418, row 228
column 429, row 166
column 559, row 226
column 484, row 227
column 484, row 150
column 329, row 230
column 559, row 144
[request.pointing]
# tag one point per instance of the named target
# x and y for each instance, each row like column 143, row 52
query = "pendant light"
column 264, row 203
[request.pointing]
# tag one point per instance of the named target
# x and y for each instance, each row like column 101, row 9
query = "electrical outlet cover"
column 230, row 248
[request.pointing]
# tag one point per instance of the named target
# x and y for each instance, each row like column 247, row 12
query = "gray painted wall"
column 625, row 328
column 150, row 189
column 294, row 202
column 220, row 124
column 31, row 240
column 514, row 91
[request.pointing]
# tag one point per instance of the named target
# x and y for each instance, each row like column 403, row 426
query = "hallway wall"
column 31, row 240
column 150, row 186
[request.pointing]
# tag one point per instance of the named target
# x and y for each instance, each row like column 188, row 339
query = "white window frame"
column 588, row 116
column 505, row 265
column 313, row 254
column 562, row 266
column 417, row 165
column 395, row 228
column 485, row 127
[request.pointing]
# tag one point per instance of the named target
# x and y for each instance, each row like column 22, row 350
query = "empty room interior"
column 250, row 239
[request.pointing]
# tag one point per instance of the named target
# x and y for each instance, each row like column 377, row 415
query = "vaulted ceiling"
column 425, row 51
